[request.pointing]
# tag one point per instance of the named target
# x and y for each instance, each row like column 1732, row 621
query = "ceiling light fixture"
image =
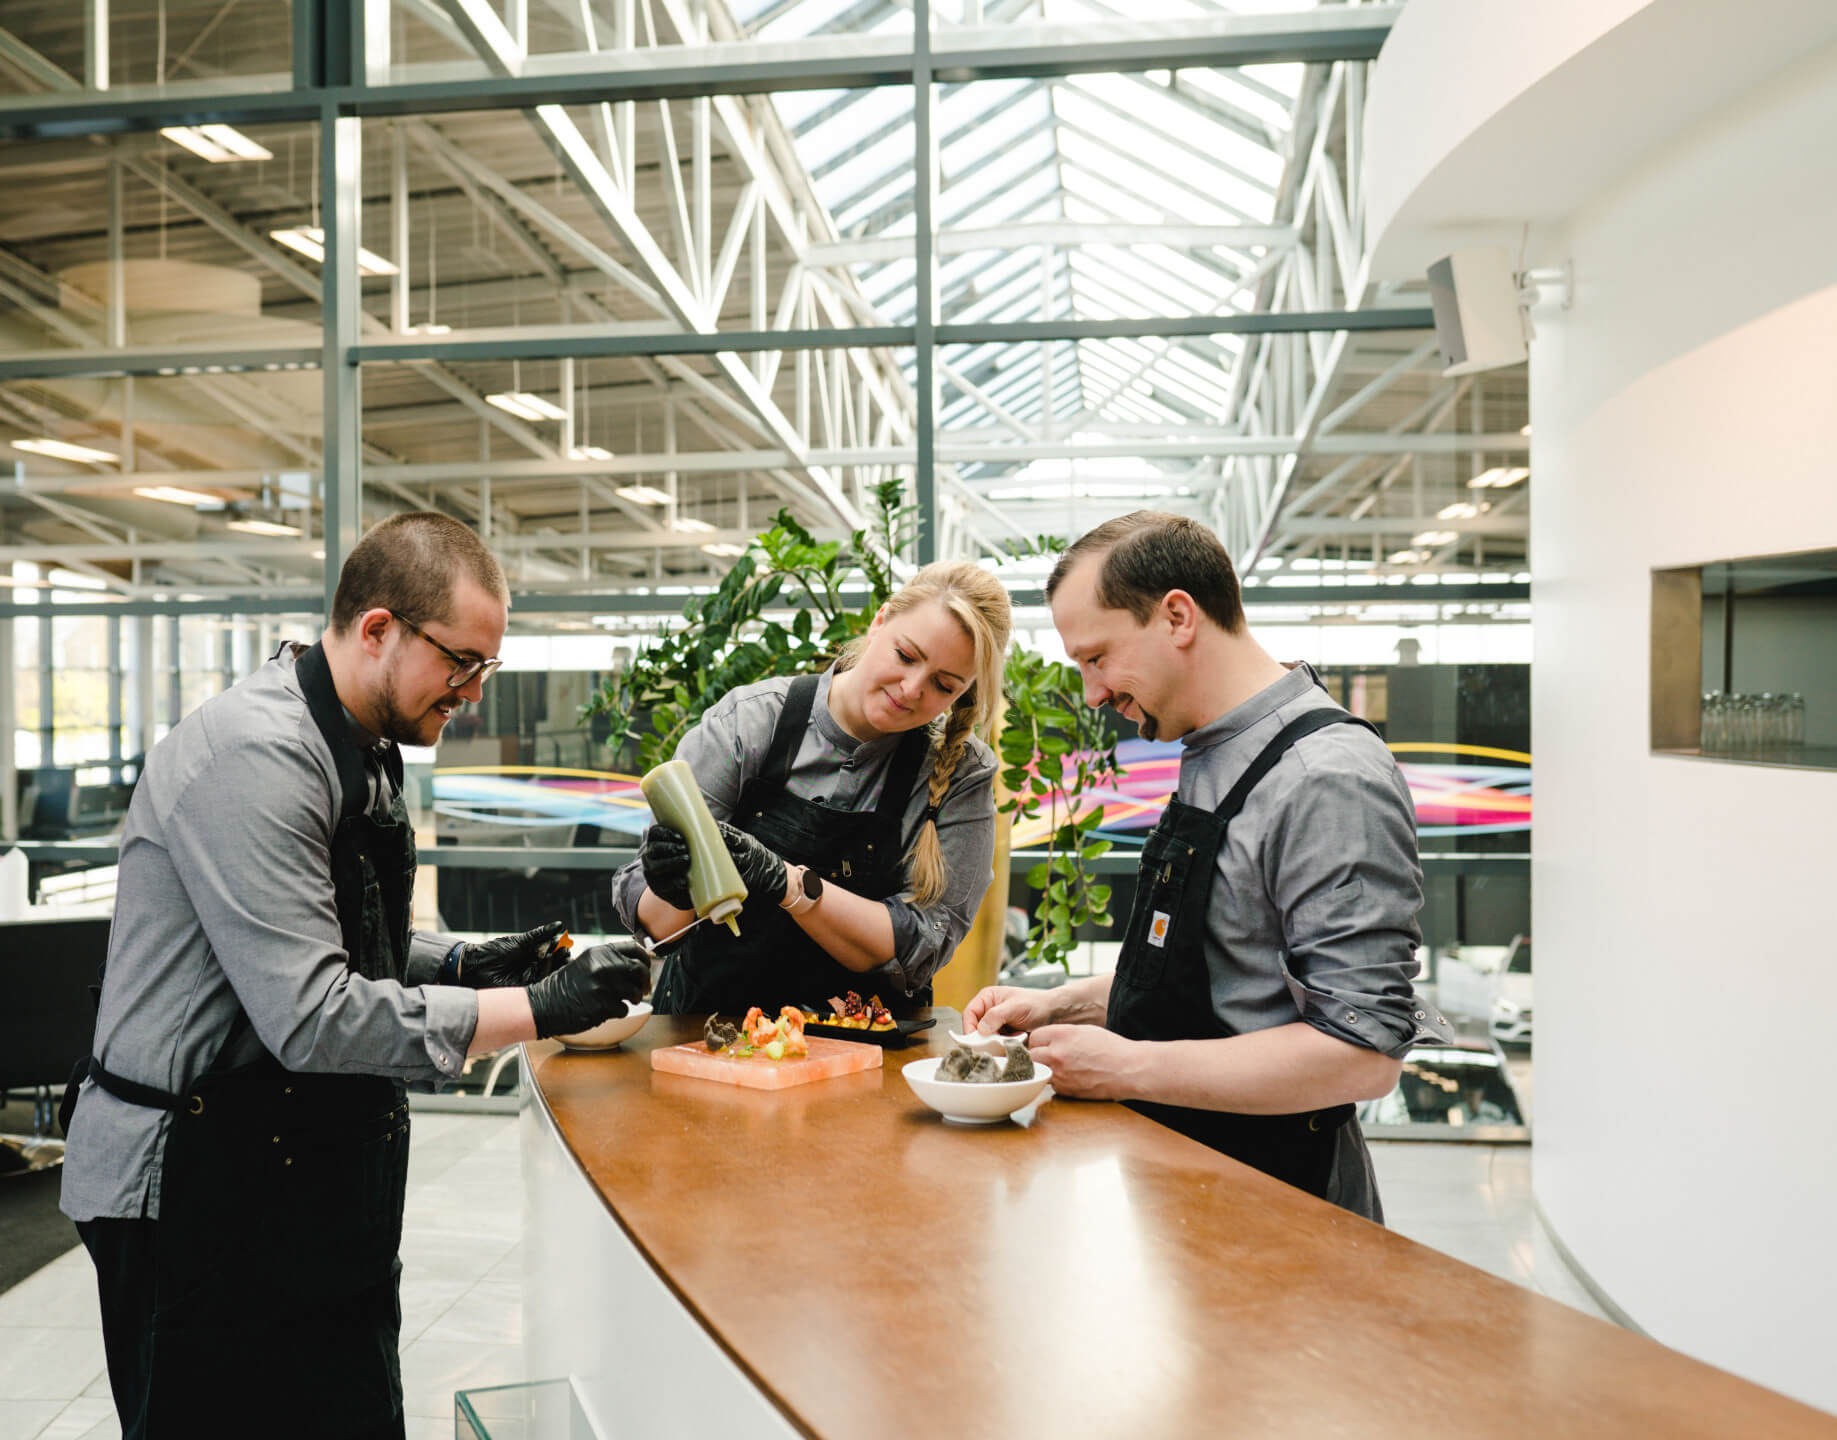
column 64, row 450
column 309, row 240
column 218, row 144
column 1460, row 510
column 590, row 452
column 526, row 406
column 174, row 495
column 1433, row 538
column 263, row 527
column 643, row 494
column 723, row 549
column 1499, row 477
column 689, row 522
column 1406, row 557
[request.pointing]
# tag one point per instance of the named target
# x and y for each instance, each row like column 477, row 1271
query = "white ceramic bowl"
column 970, row 1104
column 608, row 1033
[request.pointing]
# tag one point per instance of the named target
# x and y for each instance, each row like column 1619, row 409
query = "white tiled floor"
column 462, row 1320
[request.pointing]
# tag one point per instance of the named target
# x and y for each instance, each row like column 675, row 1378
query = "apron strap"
column 788, row 733
column 903, row 774
column 328, row 714
column 1285, row 739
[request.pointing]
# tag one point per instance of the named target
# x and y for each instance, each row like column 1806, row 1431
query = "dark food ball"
column 717, row 1034
column 970, row 1067
column 1020, row 1063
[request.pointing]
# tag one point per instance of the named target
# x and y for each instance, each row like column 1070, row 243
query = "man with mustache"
column 1264, row 981
column 238, row 1143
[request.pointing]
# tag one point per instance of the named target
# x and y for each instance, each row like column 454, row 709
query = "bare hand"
column 1008, row 1007
column 1087, row 1062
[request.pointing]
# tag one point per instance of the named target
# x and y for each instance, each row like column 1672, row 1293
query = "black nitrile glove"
column 761, row 868
column 513, row 959
column 664, row 856
column 597, row 984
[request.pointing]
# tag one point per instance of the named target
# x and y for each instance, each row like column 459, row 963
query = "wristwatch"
column 803, row 888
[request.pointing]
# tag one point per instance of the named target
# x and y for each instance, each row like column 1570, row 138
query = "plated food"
column 759, row 1036
column 967, row 1066
column 851, row 1012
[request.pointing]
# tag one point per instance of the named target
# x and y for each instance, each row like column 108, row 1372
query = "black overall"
column 773, row 963
column 1163, row 987
column 274, row 1293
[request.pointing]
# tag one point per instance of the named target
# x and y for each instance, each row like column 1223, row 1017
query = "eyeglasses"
column 464, row 670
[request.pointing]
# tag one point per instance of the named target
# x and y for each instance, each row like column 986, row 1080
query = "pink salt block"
column 827, row 1059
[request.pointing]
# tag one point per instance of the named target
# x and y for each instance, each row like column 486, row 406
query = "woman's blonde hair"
column 976, row 600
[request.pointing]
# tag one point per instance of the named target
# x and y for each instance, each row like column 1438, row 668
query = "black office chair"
column 47, row 1011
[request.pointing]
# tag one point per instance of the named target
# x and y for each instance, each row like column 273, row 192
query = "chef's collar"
column 360, row 736
column 1272, row 697
column 831, row 729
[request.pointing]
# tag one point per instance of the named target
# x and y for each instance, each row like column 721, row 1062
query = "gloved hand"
column 597, row 984
column 512, row 959
column 664, row 856
column 760, row 866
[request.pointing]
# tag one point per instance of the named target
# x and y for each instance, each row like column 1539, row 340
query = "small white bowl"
column 608, row 1033
column 971, row 1104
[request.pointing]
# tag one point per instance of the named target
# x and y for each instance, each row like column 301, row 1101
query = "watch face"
column 813, row 885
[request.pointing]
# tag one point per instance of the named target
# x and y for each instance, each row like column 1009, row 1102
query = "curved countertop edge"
column 553, row 1127
column 1273, row 1313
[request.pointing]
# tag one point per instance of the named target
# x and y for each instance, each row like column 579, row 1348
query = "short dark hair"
column 410, row 564
column 1148, row 553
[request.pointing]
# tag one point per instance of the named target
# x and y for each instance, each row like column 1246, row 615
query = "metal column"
column 9, row 739
column 114, row 698
column 175, row 688
column 340, row 153
column 925, row 188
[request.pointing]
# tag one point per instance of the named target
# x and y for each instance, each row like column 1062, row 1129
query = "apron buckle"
column 197, row 1104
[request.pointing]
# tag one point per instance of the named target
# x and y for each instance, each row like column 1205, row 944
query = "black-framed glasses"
column 464, row 670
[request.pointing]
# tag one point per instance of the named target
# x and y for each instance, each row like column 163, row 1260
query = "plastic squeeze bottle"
column 715, row 886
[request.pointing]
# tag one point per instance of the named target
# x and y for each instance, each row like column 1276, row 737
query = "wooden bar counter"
column 835, row 1260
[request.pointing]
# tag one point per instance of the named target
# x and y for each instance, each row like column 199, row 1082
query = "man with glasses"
column 238, row 1147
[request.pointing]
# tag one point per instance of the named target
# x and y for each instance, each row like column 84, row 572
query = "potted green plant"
column 1052, row 747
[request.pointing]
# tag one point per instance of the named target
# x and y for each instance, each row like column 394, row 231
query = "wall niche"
column 1744, row 660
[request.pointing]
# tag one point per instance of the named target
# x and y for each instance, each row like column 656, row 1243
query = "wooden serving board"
column 827, row 1059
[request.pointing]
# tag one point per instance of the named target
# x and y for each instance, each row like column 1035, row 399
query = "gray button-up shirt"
column 1313, row 909
column 728, row 746
column 224, row 903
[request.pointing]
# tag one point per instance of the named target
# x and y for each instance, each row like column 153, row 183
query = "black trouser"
column 126, row 1256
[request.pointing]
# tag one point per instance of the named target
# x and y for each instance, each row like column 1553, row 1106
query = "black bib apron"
column 275, row 1294
column 1163, row 987
column 773, row 963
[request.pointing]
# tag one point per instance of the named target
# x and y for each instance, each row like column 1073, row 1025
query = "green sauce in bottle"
column 715, row 886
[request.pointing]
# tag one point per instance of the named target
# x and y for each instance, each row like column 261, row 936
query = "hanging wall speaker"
column 1477, row 319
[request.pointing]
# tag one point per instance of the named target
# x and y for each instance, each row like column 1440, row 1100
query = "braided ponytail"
column 926, row 872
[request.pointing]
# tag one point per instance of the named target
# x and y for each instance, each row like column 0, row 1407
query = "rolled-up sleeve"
column 1342, row 870
column 925, row 937
column 257, row 869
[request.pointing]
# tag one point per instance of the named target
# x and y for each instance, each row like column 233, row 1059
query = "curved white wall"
column 1686, row 410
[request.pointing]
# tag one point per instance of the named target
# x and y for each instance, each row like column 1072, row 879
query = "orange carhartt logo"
column 1157, row 929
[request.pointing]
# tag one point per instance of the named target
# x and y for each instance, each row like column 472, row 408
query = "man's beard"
column 405, row 729
column 1147, row 727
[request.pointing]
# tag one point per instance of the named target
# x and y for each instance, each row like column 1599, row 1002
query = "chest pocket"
column 1163, row 918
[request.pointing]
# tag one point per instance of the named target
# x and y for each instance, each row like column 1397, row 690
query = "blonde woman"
column 858, row 805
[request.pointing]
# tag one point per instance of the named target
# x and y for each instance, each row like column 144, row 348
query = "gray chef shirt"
column 728, row 746
column 1313, row 908
column 224, row 903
